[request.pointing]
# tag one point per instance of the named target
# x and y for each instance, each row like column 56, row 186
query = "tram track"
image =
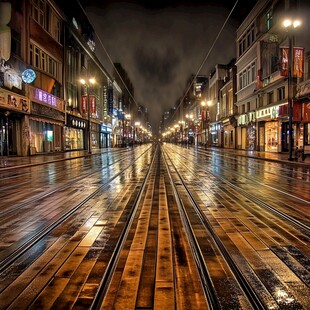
column 192, row 183
column 252, row 296
column 257, row 200
column 8, row 256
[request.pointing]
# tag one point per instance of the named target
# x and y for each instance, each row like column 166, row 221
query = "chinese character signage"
column 284, row 61
column 45, row 97
column 84, row 103
column 298, row 61
column 92, row 101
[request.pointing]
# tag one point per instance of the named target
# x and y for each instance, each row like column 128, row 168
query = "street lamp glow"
column 289, row 23
column 203, row 103
column 296, row 23
column 92, row 82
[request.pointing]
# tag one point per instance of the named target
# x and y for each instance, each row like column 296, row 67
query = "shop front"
column 306, row 123
column 246, row 131
column 75, row 133
column 14, row 122
column 47, row 120
column 215, row 131
column 229, row 133
column 297, row 126
column 105, row 136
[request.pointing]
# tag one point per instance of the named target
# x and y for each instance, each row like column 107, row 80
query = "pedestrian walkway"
column 9, row 162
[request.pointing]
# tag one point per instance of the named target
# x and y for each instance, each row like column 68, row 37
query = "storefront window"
column 74, row 139
column 271, row 136
column 41, row 137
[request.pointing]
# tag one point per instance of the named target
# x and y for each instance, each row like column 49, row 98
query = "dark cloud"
column 160, row 46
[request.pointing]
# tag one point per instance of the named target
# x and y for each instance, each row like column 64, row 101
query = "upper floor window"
column 246, row 40
column 269, row 19
column 247, row 76
column 281, row 93
column 45, row 16
column 43, row 61
column 270, row 98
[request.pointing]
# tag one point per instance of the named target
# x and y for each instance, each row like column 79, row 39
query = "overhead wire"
column 204, row 60
column 195, row 76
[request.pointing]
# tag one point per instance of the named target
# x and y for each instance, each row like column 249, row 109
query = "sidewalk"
column 11, row 162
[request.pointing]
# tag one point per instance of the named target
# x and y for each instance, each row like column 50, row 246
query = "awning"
column 45, row 120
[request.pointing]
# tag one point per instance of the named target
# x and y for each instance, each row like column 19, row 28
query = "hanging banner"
column 92, row 101
column 284, row 61
column 84, row 103
column 202, row 115
column 298, row 69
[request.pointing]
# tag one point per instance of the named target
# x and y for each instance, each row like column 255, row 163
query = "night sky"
column 161, row 45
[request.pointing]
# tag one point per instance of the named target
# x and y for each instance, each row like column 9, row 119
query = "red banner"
column 284, row 61
column 306, row 112
column 92, row 101
column 202, row 115
column 298, row 61
column 298, row 70
column 84, row 103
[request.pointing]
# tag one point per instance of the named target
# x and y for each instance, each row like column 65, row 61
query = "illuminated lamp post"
column 206, row 120
column 87, row 86
column 290, row 24
column 135, row 135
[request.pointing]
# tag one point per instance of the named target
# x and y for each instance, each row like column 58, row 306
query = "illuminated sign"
column 45, row 97
column 28, row 76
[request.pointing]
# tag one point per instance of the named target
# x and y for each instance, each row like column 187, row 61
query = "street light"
column 86, row 85
column 205, row 107
column 290, row 24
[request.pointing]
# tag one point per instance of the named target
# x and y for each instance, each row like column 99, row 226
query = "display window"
column 272, row 136
column 74, row 139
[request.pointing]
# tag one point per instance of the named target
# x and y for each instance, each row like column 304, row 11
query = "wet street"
column 156, row 227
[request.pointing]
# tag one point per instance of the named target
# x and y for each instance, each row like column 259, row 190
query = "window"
column 270, row 97
column 44, row 62
column 269, row 19
column 246, row 40
column 260, row 101
column 45, row 16
column 247, row 76
column 243, row 109
column 248, row 106
column 281, row 93
column 16, row 42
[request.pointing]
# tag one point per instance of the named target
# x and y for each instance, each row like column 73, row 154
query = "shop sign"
column 45, row 97
column 10, row 77
column 272, row 112
column 75, row 122
column 13, row 101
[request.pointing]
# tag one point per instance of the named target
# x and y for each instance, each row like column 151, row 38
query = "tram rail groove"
column 246, row 287
column 7, row 257
column 104, row 283
column 258, row 201
column 30, row 201
column 205, row 278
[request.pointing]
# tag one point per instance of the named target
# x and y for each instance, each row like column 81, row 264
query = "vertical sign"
column 84, row 103
column 284, row 61
column 92, row 101
column 298, row 62
column 110, row 100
